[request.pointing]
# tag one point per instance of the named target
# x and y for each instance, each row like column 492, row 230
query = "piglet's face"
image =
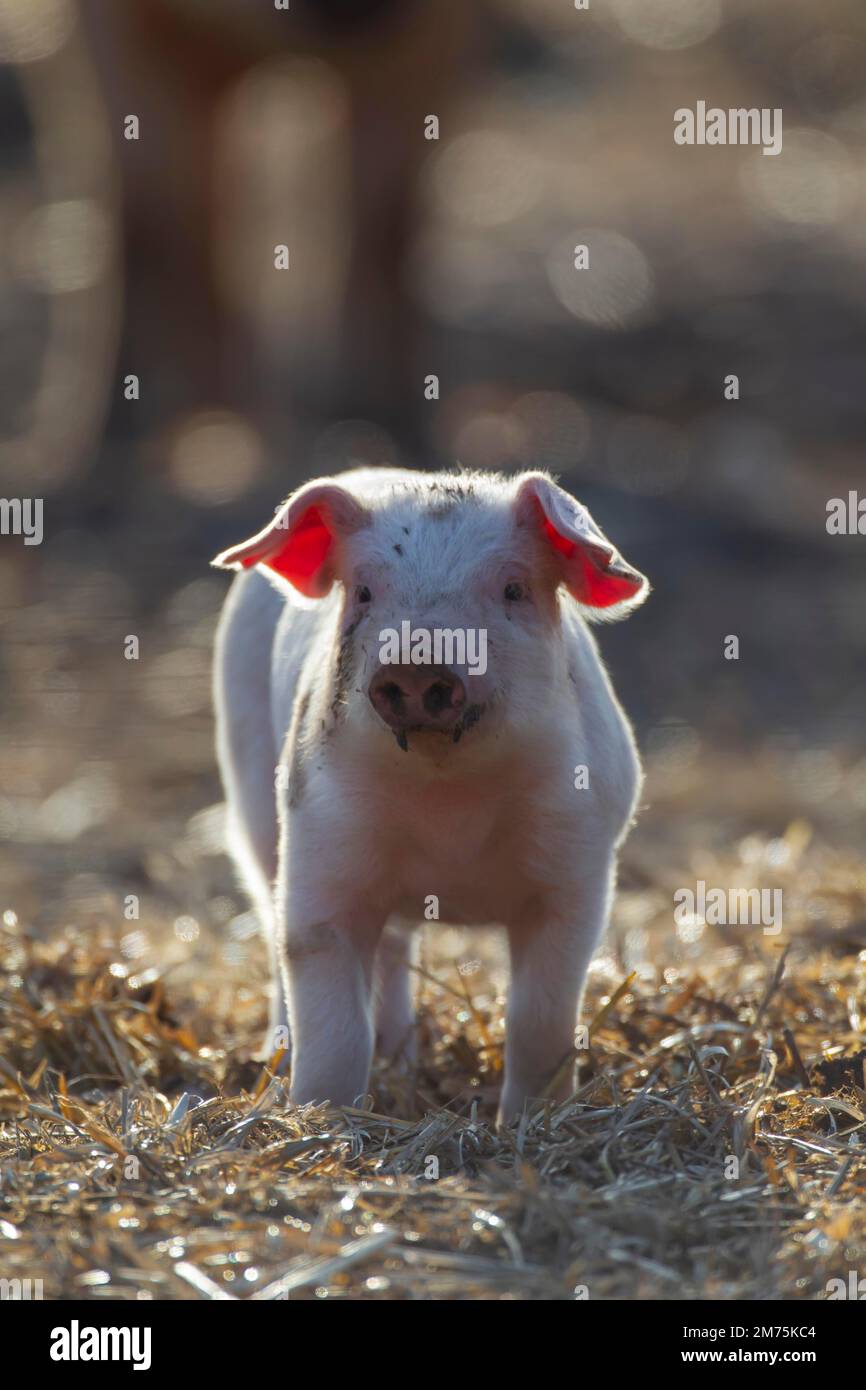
column 449, row 625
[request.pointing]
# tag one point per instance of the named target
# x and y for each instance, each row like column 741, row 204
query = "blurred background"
column 153, row 258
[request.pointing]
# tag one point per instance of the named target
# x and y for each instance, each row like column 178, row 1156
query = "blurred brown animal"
column 173, row 63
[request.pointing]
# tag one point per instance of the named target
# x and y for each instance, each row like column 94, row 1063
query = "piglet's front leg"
column 550, row 955
column 329, row 968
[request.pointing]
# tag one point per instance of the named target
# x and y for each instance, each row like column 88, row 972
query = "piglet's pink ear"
column 302, row 543
column 592, row 569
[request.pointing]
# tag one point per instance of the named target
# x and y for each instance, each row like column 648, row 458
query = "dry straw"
column 714, row 1147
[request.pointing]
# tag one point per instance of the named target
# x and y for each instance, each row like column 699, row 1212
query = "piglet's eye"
column 362, row 593
column 513, row 591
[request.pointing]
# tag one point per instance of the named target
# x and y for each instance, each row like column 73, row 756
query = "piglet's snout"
column 417, row 697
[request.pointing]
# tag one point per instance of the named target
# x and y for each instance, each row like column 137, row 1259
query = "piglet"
column 413, row 723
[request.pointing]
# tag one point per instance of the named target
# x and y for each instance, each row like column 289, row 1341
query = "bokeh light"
column 668, row 24
column 616, row 289
column 487, row 177
column 31, row 30
column 810, row 184
column 214, row 458
column 64, row 247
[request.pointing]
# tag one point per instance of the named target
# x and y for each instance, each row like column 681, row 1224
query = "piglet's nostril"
column 390, row 694
column 443, row 695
